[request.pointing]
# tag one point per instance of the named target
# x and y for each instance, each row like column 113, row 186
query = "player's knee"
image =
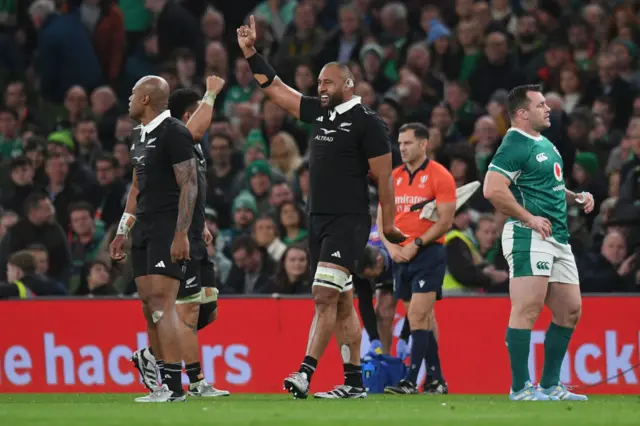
column 327, row 285
column 418, row 318
column 325, row 299
column 529, row 312
column 570, row 315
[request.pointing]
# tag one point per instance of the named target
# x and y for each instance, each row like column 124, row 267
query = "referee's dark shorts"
column 422, row 274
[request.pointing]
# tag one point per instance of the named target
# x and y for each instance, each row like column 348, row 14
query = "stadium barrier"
column 84, row 345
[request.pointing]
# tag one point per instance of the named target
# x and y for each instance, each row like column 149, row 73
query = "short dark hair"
column 24, row 260
column 181, row 101
column 109, row 158
column 369, row 258
column 33, row 200
column 518, row 98
column 84, row 118
column 56, row 155
column 446, row 106
column 462, row 85
column 244, row 242
column 82, row 205
column 420, row 130
column 608, row 101
column 18, row 162
column 221, row 136
column 35, row 143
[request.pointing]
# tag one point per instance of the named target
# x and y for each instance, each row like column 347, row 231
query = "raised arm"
column 200, row 121
column 281, row 94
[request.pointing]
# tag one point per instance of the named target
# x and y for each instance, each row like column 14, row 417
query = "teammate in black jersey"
column 162, row 201
column 347, row 140
column 197, row 297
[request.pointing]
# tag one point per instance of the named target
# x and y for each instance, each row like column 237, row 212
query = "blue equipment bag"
column 379, row 371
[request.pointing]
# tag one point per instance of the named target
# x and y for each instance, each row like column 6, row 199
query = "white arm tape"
column 126, row 223
column 209, row 98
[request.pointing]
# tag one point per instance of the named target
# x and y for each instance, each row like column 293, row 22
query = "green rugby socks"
column 518, row 343
column 556, row 342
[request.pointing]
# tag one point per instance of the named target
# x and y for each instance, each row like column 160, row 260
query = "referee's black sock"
column 432, row 359
column 194, row 371
column 353, row 375
column 308, row 367
column 419, row 347
column 173, row 376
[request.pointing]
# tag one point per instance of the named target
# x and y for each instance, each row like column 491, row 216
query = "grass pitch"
column 280, row 410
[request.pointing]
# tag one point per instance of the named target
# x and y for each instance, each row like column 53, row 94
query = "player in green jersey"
column 525, row 181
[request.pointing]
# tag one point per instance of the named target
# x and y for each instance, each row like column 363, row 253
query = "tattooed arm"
column 187, row 179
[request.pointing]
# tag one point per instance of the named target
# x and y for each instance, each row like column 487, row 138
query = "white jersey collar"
column 345, row 106
column 155, row 122
column 523, row 133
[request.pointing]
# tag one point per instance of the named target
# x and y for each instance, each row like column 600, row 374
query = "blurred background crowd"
column 67, row 69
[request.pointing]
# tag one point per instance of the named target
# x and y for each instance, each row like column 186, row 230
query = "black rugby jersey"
column 156, row 147
column 342, row 141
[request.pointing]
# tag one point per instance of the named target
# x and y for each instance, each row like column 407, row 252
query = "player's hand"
column 409, row 251
column 541, row 225
column 402, row 349
column 499, row 276
column 215, row 84
column 396, row 253
column 180, row 248
column 206, row 236
column 116, row 248
column 627, row 266
column 586, row 199
column 247, row 34
column 393, row 235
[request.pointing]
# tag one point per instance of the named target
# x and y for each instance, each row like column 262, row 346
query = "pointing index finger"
column 252, row 23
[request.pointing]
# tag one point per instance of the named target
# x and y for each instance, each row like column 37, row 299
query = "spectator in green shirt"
column 243, row 89
column 10, row 145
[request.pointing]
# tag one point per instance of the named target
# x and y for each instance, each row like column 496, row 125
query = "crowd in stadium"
column 67, row 69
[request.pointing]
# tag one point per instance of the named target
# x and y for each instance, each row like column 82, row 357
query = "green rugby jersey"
column 534, row 167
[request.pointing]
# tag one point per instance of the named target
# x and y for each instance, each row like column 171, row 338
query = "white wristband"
column 126, row 223
column 209, row 98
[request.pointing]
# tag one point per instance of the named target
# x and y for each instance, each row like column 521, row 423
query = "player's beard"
column 334, row 100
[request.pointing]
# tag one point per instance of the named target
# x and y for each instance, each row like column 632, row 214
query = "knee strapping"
column 156, row 316
column 331, row 278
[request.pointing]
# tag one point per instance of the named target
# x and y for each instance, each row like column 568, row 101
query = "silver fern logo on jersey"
column 557, row 172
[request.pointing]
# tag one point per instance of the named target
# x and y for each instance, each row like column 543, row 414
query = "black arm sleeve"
column 365, row 305
column 310, row 109
column 460, row 265
column 405, row 333
column 376, row 141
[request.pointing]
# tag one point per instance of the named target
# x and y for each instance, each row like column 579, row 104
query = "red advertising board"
column 84, row 345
